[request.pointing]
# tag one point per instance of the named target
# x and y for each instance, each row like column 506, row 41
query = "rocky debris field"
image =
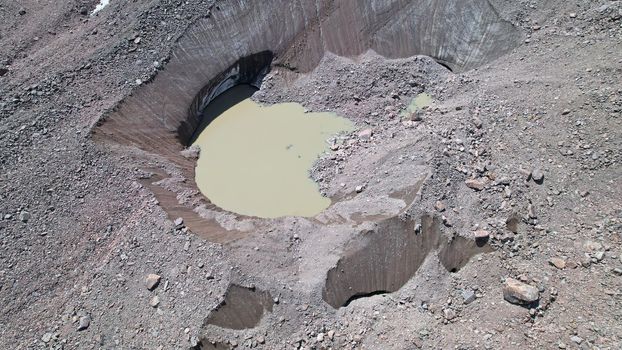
column 523, row 153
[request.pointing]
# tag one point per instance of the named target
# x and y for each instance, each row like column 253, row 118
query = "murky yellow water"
column 419, row 102
column 255, row 159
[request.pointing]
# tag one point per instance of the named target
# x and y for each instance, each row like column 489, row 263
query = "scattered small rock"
column 599, row 256
column 46, row 337
column 155, row 301
column 415, row 116
column 476, row 184
column 446, row 221
column 531, row 212
column 537, row 175
column 439, row 206
column 365, row 134
column 592, row 246
column 84, row 323
column 477, row 122
column 517, row 292
column 526, row 173
column 558, row 263
column 450, row 314
column 191, row 152
column 468, row 296
column 152, row 281
column 481, row 235
column 24, row 216
column 511, row 223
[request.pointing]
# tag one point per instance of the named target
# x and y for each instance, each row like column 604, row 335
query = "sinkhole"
column 238, row 44
column 383, row 259
column 242, row 308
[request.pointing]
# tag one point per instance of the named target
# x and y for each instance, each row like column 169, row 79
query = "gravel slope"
column 80, row 232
